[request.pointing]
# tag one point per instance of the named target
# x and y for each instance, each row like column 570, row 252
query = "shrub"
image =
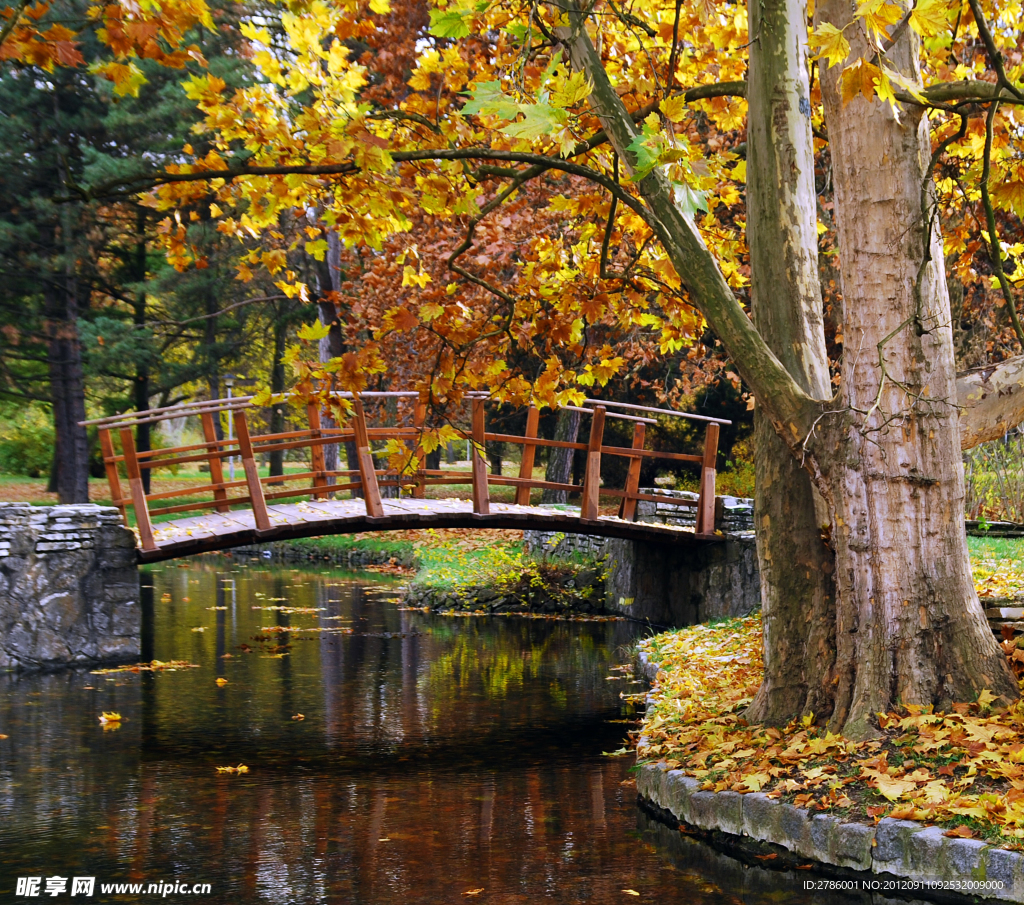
column 26, row 443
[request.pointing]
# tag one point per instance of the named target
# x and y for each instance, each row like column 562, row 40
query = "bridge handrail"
column 367, row 478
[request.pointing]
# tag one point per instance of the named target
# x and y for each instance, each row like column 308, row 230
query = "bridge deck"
column 222, row 530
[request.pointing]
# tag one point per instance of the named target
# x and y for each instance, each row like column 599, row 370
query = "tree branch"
column 995, row 251
column 991, row 401
column 16, row 12
column 994, row 56
column 790, row 409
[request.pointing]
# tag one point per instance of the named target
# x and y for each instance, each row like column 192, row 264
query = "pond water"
column 393, row 757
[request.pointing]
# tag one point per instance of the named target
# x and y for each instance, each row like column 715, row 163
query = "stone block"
column 761, row 816
column 649, row 783
column 964, row 859
column 854, row 844
column 68, row 587
column 678, row 789
column 1006, row 868
column 795, row 830
column 892, row 839
column 923, row 851
column 703, row 811
column 823, row 830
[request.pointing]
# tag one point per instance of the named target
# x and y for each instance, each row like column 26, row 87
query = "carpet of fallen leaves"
column 998, row 579
column 963, row 769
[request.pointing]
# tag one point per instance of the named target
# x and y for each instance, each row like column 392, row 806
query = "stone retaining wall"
column 69, row 590
column 898, row 848
column 667, row 585
column 353, row 558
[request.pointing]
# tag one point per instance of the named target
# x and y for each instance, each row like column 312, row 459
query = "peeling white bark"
column 991, row 401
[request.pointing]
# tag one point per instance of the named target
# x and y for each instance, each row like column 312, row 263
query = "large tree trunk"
column 797, row 567
column 909, row 626
column 559, row 470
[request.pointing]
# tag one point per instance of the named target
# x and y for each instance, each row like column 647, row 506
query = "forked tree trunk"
column 885, row 457
column 909, row 625
column 796, row 566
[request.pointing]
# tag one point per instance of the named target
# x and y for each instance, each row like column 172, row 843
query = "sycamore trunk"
column 909, row 626
column 885, row 453
column 796, row 566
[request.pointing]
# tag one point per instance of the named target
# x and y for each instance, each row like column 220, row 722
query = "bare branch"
column 995, row 251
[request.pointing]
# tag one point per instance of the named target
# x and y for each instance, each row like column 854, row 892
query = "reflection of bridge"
column 264, row 519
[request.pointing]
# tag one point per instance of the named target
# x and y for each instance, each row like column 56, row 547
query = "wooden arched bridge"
column 250, row 510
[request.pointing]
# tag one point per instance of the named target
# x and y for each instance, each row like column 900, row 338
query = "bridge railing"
column 366, row 479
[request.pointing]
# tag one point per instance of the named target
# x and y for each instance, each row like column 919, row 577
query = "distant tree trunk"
column 559, row 470
column 213, row 373
column 495, row 451
column 277, row 385
column 140, row 400
column 333, row 346
column 67, row 393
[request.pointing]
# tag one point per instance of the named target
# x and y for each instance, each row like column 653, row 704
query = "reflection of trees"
column 382, row 754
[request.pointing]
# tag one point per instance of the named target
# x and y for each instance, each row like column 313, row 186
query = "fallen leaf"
column 241, row 768
column 770, row 857
column 221, row 681
column 299, row 716
column 108, row 717
column 473, row 892
column 964, row 832
column 631, row 892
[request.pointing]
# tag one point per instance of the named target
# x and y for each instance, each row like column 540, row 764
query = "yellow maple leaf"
column 830, row 44
column 755, row 781
column 930, row 17
column 411, row 278
column 675, row 108
column 879, row 14
column 858, row 79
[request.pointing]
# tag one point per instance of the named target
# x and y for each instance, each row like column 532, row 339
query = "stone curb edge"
column 900, row 848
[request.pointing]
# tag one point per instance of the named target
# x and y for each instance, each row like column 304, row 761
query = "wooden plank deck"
column 313, row 518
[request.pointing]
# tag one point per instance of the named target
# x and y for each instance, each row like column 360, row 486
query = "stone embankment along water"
column 69, row 589
column 657, row 584
column 903, row 849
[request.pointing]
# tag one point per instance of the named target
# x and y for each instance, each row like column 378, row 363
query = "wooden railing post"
column 216, row 464
column 529, row 451
column 627, row 508
column 592, row 477
column 706, row 503
column 252, row 475
column 131, row 464
column 481, row 498
column 419, row 419
column 110, row 466
column 368, row 477
column 316, row 452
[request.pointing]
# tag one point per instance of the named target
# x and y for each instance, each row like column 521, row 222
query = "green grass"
column 996, row 548
column 447, row 565
column 344, row 542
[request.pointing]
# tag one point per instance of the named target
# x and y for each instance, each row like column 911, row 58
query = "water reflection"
column 433, row 757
